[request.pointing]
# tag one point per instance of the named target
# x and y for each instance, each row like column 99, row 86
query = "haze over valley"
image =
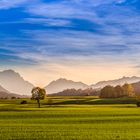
column 13, row 82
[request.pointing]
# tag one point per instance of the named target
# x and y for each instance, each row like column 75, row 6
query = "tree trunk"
column 38, row 101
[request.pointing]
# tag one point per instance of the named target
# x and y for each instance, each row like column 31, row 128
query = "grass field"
column 70, row 119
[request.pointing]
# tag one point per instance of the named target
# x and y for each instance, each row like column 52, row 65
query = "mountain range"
column 62, row 84
column 115, row 82
column 12, row 82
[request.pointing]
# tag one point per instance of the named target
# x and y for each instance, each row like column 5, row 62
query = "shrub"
column 138, row 104
column 13, row 97
column 23, row 102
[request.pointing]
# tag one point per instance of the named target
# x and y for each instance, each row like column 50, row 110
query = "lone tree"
column 38, row 94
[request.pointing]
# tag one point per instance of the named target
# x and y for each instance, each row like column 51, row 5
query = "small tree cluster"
column 116, row 92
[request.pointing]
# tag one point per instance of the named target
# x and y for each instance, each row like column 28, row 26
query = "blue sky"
column 87, row 40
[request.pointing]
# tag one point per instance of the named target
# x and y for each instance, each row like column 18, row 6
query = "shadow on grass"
column 89, row 101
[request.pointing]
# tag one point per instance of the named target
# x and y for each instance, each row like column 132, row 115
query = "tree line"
column 77, row 92
column 116, row 92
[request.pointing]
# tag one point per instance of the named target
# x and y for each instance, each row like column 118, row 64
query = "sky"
column 81, row 40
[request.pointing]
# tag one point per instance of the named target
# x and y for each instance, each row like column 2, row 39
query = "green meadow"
column 70, row 118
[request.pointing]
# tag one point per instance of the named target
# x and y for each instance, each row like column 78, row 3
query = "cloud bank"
column 58, row 36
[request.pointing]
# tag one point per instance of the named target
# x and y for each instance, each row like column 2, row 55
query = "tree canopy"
column 116, row 92
column 38, row 94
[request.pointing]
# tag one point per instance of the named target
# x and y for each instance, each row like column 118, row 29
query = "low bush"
column 138, row 104
column 13, row 97
column 23, row 102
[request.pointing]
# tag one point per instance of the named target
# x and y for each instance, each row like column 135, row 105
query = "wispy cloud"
column 68, row 45
column 6, row 4
column 75, row 33
column 48, row 22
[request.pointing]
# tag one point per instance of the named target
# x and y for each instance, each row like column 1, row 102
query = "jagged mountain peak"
column 14, row 82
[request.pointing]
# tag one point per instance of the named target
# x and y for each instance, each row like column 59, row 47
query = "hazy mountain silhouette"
column 6, row 94
column 3, row 90
column 115, row 82
column 62, row 84
column 9, row 95
column 14, row 83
